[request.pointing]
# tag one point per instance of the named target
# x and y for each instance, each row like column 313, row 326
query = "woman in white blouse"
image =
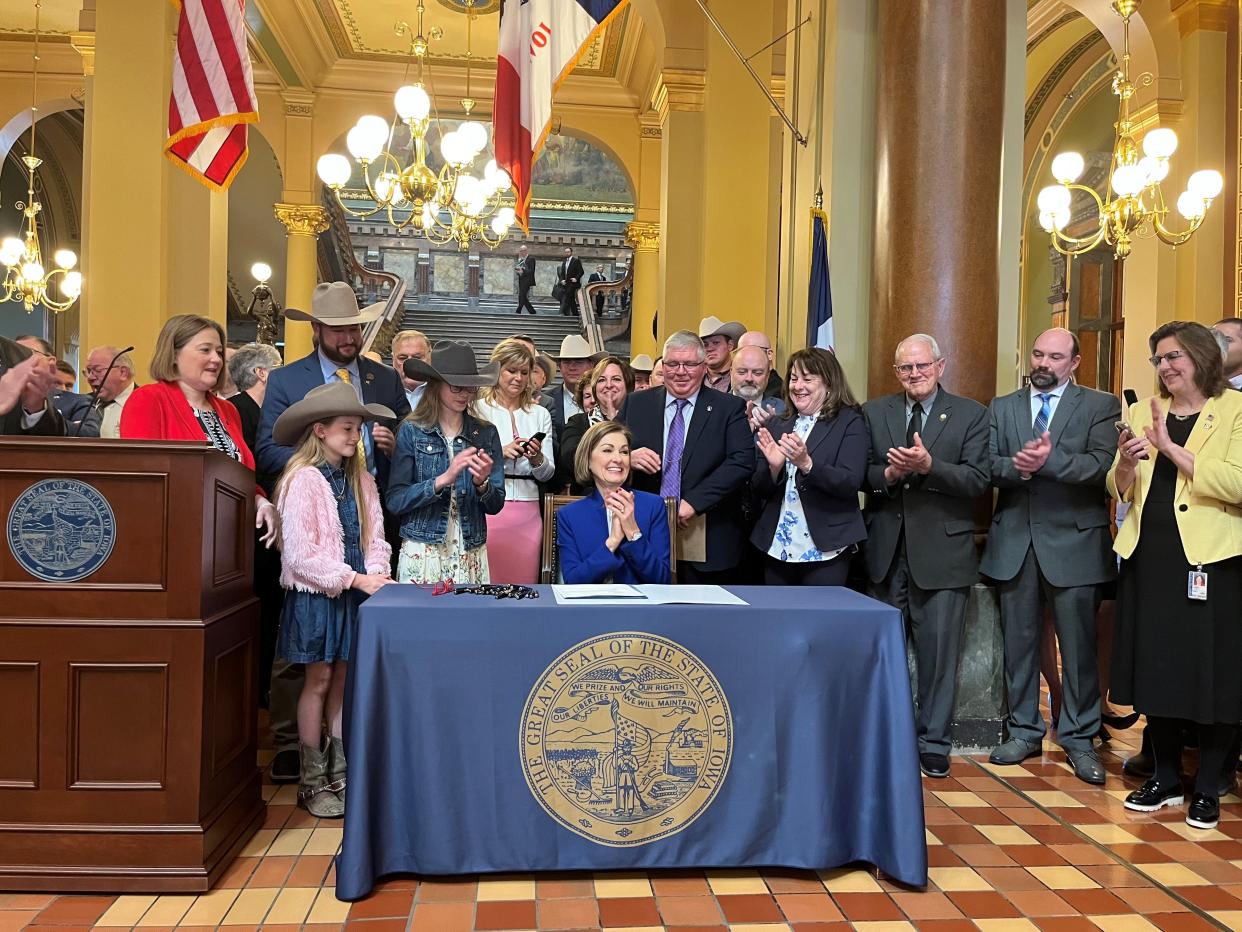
column 515, row 535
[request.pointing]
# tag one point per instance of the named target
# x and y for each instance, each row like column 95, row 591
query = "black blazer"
column 829, row 492
column 527, row 274
column 574, row 272
column 716, row 465
column 554, row 400
column 50, row 425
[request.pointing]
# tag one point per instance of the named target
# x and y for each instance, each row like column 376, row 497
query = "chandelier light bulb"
column 451, row 149
column 1067, row 167
column 1160, row 143
column 1191, row 206
column 1205, row 184
column 11, row 250
column 32, row 272
column 506, row 215
column 499, row 228
column 262, row 272
column 503, row 181
column 412, row 102
column 474, row 135
column 334, row 169
column 429, row 216
column 384, row 187
column 1045, row 221
column 65, row 259
column 366, row 140
column 1053, row 198
column 1154, row 170
column 1061, row 218
column 1127, row 180
column 71, row 285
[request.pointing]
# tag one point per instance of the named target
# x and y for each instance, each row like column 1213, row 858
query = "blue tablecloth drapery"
column 489, row 735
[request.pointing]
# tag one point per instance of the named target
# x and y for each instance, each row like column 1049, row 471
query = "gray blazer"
column 937, row 511
column 1062, row 510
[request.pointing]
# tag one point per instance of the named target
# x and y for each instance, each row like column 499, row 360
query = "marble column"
column 303, row 224
column 644, row 238
column 939, row 132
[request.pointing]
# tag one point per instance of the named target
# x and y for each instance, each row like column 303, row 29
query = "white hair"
column 244, row 366
column 924, row 338
column 409, row 335
column 124, row 360
column 685, row 339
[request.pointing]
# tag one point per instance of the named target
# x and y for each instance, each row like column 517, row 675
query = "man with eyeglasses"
column 26, row 379
column 110, row 393
column 929, row 465
column 81, row 418
column 1051, row 445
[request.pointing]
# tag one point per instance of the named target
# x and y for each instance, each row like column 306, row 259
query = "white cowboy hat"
column 334, row 304
column 575, row 347
column 332, row 399
column 453, row 361
column 714, row 327
column 642, row 363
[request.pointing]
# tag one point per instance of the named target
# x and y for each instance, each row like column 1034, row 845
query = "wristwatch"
column 638, row 535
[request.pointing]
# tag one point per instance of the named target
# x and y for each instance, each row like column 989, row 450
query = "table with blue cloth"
column 500, row 735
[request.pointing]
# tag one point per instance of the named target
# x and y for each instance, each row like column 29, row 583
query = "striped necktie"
column 670, row 481
column 344, row 376
column 1044, row 416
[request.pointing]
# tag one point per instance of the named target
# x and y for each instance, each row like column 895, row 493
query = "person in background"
column 1229, row 329
column 614, row 534
column 249, row 367
column 26, row 380
column 775, row 387
column 525, row 269
column 410, row 344
column 112, row 393
column 574, row 360
column 583, row 396
column 541, row 375
column 227, row 389
column 928, row 467
column 808, row 479
column 1178, row 646
column 448, row 471
column 569, row 277
column 657, row 373
column 719, row 340
column 641, row 365
column 748, row 378
column 66, row 377
column 607, row 385
column 515, row 533
column 335, row 556
column 78, row 411
column 598, row 276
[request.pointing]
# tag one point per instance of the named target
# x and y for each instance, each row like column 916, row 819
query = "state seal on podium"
column 626, row 738
column 61, row 530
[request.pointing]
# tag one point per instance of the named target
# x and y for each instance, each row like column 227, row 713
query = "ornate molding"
column 642, row 236
column 84, row 44
column 1163, row 111
column 678, row 89
column 298, row 103
column 1195, row 15
column 302, row 219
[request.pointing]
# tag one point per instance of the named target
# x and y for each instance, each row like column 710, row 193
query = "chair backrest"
column 550, row 564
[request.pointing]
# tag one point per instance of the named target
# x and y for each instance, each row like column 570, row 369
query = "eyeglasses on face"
column 94, row 370
column 907, row 368
column 1170, row 356
column 463, row 389
column 679, row 364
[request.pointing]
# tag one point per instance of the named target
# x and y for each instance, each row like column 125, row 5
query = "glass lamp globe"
column 71, row 285
column 261, row 271
column 1067, row 167
column 1154, row 170
column 412, row 102
column 334, row 169
column 32, row 272
column 498, row 227
column 366, row 140
column 474, row 134
column 1053, row 198
column 1061, row 218
column 1191, row 206
column 506, row 215
column 1045, row 221
column 1160, row 143
column 1127, row 180
column 1205, row 184
column 11, row 250
column 65, row 258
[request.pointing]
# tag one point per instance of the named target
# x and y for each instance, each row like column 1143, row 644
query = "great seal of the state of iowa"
column 626, row 738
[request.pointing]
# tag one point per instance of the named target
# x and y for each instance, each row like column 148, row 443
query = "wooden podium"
column 128, row 652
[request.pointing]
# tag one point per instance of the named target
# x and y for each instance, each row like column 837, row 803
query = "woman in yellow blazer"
column 1178, row 649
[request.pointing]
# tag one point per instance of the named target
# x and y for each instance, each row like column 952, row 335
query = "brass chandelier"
column 26, row 278
column 448, row 205
column 1133, row 205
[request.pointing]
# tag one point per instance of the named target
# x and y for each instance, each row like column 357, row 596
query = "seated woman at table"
column 808, row 477
column 615, row 534
column 607, row 385
column 447, row 471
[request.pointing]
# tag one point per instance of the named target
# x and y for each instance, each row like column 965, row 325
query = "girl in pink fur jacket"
column 334, row 556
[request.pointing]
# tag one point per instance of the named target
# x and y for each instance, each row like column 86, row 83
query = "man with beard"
column 749, row 378
column 337, row 323
column 1051, row 445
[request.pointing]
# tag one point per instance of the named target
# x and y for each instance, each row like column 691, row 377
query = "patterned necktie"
column 343, row 375
column 670, row 483
column 1044, row 416
column 916, row 423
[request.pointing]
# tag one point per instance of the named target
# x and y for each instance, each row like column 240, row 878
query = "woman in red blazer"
column 180, row 405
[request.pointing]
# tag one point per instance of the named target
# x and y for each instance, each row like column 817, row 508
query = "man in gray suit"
column 1051, row 445
column 929, row 465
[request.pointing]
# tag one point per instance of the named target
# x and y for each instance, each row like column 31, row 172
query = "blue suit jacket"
column 291, row 382
column 582, row 528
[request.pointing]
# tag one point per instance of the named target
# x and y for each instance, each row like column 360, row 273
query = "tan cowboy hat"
column 642, row 363
column 714, row 327
column 453, row 362
column 575, row 347
column 332, row 399
column 334, row 304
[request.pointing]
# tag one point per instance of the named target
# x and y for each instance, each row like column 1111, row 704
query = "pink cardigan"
column 313, row 549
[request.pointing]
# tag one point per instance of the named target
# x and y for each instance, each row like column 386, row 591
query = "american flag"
column 212, row 92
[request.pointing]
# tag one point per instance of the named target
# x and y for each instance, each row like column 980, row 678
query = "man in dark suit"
column 569, row 278
column 929, row 465
column 598, row 276
column 78, row 411
column 26, row 380
column 525, row 268
column 693, row 444
column 1051, row 446
column 337, row 322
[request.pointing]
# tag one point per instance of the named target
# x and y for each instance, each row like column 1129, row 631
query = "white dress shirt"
column 1054, row 399
column 520, row 484
column 110, row 423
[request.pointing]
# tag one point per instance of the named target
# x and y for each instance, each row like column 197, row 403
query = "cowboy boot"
column 336, row 767
column 313, row 792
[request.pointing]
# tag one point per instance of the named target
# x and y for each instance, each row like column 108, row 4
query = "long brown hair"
column 1200, row 345
column 597, row 373
column 426, row 413
column 311, row 452
column 820, row 362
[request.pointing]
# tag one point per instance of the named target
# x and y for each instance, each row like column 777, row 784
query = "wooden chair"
column 550, row 564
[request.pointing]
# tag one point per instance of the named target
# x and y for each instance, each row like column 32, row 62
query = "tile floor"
column 1011, row 848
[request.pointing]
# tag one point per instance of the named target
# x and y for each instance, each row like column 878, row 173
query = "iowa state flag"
column 540, row 42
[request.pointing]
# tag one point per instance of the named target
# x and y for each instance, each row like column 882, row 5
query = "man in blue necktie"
column 1051, row 445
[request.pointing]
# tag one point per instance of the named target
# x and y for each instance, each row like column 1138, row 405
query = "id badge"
column 1197, row 585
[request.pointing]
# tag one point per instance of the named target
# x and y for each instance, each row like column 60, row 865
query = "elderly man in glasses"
column 929, row 465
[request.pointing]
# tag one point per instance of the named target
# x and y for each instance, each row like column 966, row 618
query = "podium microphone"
column 95, row 391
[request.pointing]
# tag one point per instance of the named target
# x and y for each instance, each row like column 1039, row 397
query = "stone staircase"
column 484, row 329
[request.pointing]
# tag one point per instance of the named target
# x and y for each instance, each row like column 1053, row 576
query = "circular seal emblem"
column 626, row 738
column 61, row 530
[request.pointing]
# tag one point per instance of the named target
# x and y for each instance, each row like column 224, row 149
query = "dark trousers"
column 569, row 301
column 936, row 618
column 1022, row 602
column 1215, row 742
column 691, row 575
column 820, row 573
column 524, row 298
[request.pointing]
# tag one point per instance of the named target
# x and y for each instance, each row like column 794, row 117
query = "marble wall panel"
column 448, row 272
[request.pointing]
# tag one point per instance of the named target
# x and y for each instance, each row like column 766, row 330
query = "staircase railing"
column 596, row 331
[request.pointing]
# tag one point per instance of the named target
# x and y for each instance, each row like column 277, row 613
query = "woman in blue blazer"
column 808, row 477
column 614, row 534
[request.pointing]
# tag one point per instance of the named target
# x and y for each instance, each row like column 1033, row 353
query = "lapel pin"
column 944, row 417
column 709, row 407
column 369, row 378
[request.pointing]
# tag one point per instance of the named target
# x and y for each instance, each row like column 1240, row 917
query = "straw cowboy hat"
column 453, row 361
column 333, row 399
column 575, row 347
column 642, row 363
column 714, row 327
column 334, row 304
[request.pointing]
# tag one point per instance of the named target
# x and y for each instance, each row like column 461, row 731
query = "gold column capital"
column 1195, row 15
column 84, row 44
column 642, row 236
column 679, row 89
column 303, row 219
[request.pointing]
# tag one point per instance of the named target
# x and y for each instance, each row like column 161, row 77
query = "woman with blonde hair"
column 515, row 534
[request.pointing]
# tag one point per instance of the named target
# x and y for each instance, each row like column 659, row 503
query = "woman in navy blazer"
column 614, row 534
column 808, row 477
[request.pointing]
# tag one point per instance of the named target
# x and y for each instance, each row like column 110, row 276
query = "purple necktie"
column 670, row 484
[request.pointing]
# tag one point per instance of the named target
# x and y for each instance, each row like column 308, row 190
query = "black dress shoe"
column 1152, row 796
column 1204, row 811
column 1141, row 764
column 1120, row 722
column 1015, row 751
column 286, row 766
column 1087, row 766
column 934, row 765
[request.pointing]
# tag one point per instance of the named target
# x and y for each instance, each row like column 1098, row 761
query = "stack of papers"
column 614, row 594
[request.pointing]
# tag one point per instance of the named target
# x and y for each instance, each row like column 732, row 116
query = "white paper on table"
column 601, row 594
column 689, row 595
